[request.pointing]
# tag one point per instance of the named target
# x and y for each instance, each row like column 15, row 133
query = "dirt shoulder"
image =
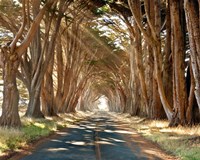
column 183, row 142
column 124, row 124
column 26, row 150
column 147, row 147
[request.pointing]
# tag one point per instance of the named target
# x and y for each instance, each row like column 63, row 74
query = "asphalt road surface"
column 101, row 137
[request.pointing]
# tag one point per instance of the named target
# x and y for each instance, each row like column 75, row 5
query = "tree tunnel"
column 73, row 54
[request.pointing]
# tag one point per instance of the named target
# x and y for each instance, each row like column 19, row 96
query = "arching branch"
column 32, row 31
column 20, row 32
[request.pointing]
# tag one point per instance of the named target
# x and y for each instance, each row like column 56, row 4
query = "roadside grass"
column 34, row 129
column 183, row 142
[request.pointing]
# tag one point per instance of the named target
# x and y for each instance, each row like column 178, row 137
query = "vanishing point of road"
column 101, row 137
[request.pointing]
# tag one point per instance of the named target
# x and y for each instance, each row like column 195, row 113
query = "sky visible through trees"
column 141, row 56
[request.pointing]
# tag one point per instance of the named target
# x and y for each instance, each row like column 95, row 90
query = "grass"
column 33, row 129
column 183, row 142
column 9, row 139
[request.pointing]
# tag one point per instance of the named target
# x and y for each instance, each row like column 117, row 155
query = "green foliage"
column 11, row 139
column 178, row 145
column 191, row 153
column 12, row 143
column 32, row 129
column 102, row 10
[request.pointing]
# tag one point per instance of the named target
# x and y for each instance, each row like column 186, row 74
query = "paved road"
column 100, row 137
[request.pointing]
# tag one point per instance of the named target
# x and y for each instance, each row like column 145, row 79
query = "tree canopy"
column 143, row 56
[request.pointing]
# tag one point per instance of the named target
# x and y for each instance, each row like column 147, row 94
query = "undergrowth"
column 183, row 142
column 32, row 130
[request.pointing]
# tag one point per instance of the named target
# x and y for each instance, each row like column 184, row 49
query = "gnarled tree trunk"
column 10, row 116
column 11, row 55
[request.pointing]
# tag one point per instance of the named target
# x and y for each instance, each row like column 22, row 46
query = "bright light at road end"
column 103, row 104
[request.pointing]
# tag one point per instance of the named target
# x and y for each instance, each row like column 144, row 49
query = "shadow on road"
column 96, row 138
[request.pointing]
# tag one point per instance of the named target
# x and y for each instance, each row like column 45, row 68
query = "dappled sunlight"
column 50, row 118
column 62, row 133
column 159, row 123
column 57, row 149
column 39, row 125
column 147, row 133
column 76, row 126
column 105, row 139
column 78, row 143
column 55, row 140
column 175, row 138
column 27, row 120
column 105, row 143
column 68, row 119
column 89, row 131
column 113, row 140
column 117, row 131
column 123, row 132
column 90, row 127
column 117, row 140
column 96, row 56
column 183, row 130
column 153, row 153
column 108, row 131
column 111, row 135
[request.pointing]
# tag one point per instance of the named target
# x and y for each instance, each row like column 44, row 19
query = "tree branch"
column 20, row 32
column 32, row 31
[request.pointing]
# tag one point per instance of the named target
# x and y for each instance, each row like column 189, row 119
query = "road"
column 102, row 137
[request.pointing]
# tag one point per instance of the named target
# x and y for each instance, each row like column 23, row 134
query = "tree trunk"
column 178, row 43
column 154, row 40
column 10, row 116
column 60, row 74
column 12, row 55
column 192, row 10
column 48, row 107
column 156, row 111
column 140, row 67
column 134, row 86
column 167, row 62
column 34, row 110
column 189, row 112
column 165, row 103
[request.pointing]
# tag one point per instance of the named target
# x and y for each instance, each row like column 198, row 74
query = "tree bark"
column 48, row 104
column 11, row 55
column 167, row 61
column 180, row 92
column 10, row 116
column 193, row 25
column 34, row 87
column 154, row 41
column 189, row 112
